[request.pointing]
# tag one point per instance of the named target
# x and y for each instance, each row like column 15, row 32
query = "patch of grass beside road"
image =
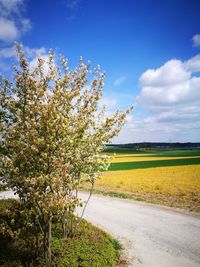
column 90, row 246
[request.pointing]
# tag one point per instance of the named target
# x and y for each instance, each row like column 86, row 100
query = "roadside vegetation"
column 2, row 187
column 89, row 246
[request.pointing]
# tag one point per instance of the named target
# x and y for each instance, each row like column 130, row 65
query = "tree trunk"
column 64, row 230
column 47, row 243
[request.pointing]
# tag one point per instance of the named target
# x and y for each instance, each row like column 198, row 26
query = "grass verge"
column 90, row 247
column 2, row 187
column 160, row 199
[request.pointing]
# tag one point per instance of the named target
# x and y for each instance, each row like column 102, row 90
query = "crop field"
column 169, row 178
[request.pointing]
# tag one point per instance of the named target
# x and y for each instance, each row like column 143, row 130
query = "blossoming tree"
column 52, row 134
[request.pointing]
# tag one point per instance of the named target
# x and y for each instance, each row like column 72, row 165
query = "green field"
column 117, row 166
column 153, row 151
column 168, row 153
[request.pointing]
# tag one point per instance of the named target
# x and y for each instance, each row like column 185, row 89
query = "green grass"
column 116, row 166
column 154, row 151
column 120, row 150
column 90, row 247
column 176, row 153
column 2, row 187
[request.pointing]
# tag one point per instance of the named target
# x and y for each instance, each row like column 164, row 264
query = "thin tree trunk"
column 47, row 245
column 86, row 203
column 64, row 231
column 71, row 225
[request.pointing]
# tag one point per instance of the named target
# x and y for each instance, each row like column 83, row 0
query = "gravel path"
column 155, row 236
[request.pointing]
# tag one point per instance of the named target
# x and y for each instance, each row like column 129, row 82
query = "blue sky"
column 149, row 49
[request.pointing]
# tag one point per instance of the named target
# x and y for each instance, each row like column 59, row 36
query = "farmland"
column 169, row 178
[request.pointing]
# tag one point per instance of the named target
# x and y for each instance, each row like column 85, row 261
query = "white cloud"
column 34, row 63
column 26, row 25
column 160, row 128
column 119, row 81
column 8, row 30
column 174, row 83
column 170, row 95
column 168, row 105
column 32, row 54
column 157, row 77
column 12, row 22
column 196, row 40
column 193, row 64
column 8, row 7
column 7, row 52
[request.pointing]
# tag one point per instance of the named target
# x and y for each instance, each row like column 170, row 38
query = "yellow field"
column 134, row 158
column 172, row 180
column 177, row 186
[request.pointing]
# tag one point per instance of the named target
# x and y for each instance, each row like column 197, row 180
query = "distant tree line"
column 164, row 145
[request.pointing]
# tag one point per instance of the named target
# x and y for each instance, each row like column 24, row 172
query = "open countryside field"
column 171, row 178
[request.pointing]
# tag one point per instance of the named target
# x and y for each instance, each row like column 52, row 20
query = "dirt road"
column 156, row 236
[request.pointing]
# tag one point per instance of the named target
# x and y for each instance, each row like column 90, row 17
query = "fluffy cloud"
column 157, row 77
column 8, row 30
column 34, row 62
column 170, row 96
column 25, row 25
column 168, row 105
column 196, row 40
column 32, row 54
column 12, row 22
column 8, row 7
column 148, row 131
column 174, row 83
column 193, row 64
